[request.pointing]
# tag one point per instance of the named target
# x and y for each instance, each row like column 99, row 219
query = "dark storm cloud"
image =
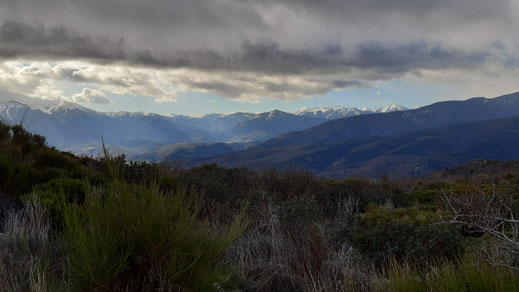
column 19, row 39
column 351, row 42
column 418, row 55
column 22, row 39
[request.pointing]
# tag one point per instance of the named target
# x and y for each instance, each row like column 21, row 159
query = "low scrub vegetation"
column 127, row 236
column 83, row 224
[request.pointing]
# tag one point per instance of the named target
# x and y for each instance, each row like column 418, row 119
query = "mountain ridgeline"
column 397, row 144
column 72, row 127
column 333, row 142
column 402, row 155
column 431, row 116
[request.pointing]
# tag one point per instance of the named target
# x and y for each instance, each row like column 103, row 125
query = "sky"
column 201, row 56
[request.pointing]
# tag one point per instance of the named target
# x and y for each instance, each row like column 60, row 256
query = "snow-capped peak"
column 390, row 108
column 47, row 106
column 337, row 112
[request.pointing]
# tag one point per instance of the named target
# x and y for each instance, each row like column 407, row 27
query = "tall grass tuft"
column 128, row 235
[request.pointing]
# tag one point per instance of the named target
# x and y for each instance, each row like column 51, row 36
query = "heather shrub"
column 300, row 211
column 219, row 184
column 287, row 184
column 408, row 234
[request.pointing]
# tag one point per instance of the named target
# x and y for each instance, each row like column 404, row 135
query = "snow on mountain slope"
column 70, row 126
column 48, row 106
column 390, row 108
column 337, row 112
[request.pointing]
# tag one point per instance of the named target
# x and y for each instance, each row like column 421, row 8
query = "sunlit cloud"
column 88, row 95
column 250, row 51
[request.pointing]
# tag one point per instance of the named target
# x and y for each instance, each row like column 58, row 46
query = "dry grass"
column 273, row 257
column 27, row 250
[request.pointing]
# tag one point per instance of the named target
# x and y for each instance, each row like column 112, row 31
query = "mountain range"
column 72, row 127
column 409, row 143
column 402, row 155
column 331, row 113
column 431, row 116
column 334, row 142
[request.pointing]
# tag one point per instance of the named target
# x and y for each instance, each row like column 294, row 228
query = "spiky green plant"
column 140, row 236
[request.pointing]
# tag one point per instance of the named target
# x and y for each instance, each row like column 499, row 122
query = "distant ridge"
column 434, row 115
column 402, row 155
column 72, row 127
column 478, row 171
column 337, row 112
column 409, row 143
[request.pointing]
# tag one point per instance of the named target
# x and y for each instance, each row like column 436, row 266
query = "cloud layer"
column 249, row 50
column 88, row 95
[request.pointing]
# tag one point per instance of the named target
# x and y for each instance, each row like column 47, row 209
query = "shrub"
column 219, row 184
column 131, row 236
column 300, row 210
column 364, row 191
column 405, row 234
column 26, row 141
column 5, row 169
column 4, row 132
column 58, row 191
column 466, row 274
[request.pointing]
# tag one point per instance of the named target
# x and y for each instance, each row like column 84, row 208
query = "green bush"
column 26, row 162
column 405, row 234
column 134, row 236
column 300, row 210
column 56, row 192
column 429, row 196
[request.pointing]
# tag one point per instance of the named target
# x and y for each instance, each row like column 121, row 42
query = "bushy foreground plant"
column 134, row 236
column 408, row 234
column 467, row 274
column 26, row 162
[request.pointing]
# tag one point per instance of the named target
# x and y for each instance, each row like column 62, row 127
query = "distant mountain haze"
column 70, row 126
column 402, row 155
column 330, row 141
column 407, row 143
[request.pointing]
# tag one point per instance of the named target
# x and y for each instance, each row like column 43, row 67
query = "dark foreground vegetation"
column 83, row 224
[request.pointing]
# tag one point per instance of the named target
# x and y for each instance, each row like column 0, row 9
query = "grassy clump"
column 467, row 274
column 134, row 236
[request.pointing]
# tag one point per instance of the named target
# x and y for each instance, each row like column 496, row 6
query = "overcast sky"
column 199, row 56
